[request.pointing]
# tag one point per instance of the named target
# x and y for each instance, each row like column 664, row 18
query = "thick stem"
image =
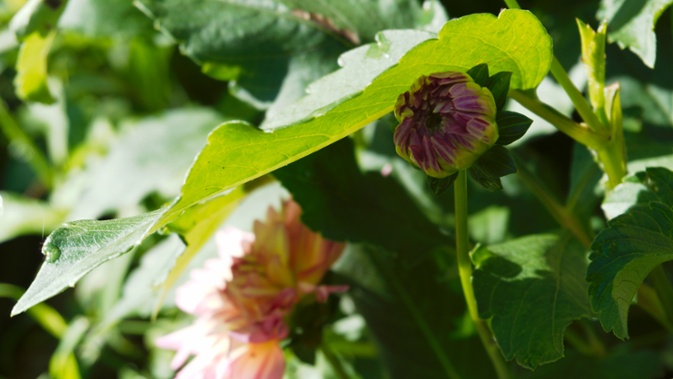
column 465, row 271
column 578, row 132
column 579, row 101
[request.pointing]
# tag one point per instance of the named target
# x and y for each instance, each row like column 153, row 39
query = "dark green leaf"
column 499, row 86
column 361, row 207
column 494, row 164
column 621, row 364
column 511, row 126
column 440, row 185
column 624, row 253
column 531, row 288
column 479, row 74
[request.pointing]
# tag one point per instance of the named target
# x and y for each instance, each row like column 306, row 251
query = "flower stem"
column 465, row 271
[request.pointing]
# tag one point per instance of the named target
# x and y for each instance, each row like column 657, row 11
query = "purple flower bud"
column 447, row 121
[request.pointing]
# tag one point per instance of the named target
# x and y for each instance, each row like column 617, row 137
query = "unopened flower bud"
column 447, row 121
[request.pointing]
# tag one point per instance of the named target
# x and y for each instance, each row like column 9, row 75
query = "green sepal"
column 511, row 126
column 494, row 164
column 440, row 185
column 498, row 84
column 479, row 74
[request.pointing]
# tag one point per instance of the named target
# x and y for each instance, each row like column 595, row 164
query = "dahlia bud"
column 447, row 121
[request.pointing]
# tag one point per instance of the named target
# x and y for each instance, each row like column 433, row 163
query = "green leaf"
column 150, row 156
column 511, row 126
column 593, row 57
column 531, row 289
column 631, row 25
column 626, row 251
column 360, row 67
column 250, row 41
column 490, row 167
column 479, row 74
column 357, row 20
column 440, row 185
column 498, row 84
column 365, row 208
column 237, row 152
column 31, row 68
column 80, row 246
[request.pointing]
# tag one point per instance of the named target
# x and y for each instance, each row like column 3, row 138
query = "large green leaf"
column 80, row 246
column 250, row 41
column 631, row 25
column 365, row 208
column 360, row 67
column 626, row 251
column 531, row 288
column 237, row 152
column 358, row 20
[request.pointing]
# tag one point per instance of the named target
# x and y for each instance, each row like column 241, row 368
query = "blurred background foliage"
column 130, row 111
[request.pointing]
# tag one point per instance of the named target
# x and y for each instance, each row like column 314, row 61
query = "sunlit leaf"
column 31, row 66
column 631, row 25
column 237, row 152
column 80, row 246
column 631, row 246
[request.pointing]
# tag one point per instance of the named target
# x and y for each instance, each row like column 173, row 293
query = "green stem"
column 579, row 101
column 29, row 150
column 578, row 132
column 512, row 4
column 560, row 213
column 664, row 289
column 465, row 271
column 334, row 361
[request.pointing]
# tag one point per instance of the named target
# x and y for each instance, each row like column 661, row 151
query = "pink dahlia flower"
column 242, row 298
